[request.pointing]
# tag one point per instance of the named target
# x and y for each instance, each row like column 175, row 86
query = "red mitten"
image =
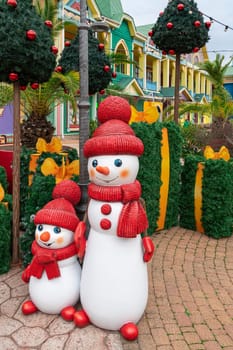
column 26, row 274
column 149, row 248
column 80, row 240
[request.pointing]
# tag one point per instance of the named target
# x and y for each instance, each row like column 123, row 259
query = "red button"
column 106, row 209
column 105, row 224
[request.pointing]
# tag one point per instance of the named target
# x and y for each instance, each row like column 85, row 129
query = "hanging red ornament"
column 106, row 68
column 13, row 76
column 161, row 13
column 114, row 75
column 54, row 50
column 58, row 69
column 197, row 24
column 208, row 24
column 78, row 92
column 170, row 25
column 150, row 33
column 101, row 46
column 180, row 7
column 23, row 87
column 102, row 92
column 171, row 52
column 48, row 23
column 196, row 49
column 164, row 52
column 34, row 86
column 31, row 34
column 12, row 3
column 67, row 43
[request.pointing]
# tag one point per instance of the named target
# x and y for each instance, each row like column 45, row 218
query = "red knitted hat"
column 114, row 135
column 60, row 211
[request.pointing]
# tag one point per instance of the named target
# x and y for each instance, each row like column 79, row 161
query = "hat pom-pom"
column 114, row 107
column 67, row 189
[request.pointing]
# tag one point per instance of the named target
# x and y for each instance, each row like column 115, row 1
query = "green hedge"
column 217, row 196
column 5, row 225
column 150, row 170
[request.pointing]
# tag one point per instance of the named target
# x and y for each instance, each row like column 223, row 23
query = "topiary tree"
column 100, row 72
column 27, row 55
column 180, row 29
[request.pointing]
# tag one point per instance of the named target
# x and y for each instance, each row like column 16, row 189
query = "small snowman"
column 54, row 273
column 114, row 281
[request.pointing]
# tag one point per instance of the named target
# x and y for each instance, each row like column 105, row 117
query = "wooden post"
column 16, row 174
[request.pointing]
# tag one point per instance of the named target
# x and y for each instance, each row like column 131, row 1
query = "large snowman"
column 54, row 273
column 114, row 281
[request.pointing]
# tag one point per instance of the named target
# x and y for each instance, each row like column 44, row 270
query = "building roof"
column 110, row 9
column 229, row 72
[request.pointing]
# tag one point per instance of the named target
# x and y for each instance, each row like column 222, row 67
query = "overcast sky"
column 221, row 41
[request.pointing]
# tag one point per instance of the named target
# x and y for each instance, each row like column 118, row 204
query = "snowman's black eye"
column 95, row 163
column 118, row 162
column 40, row 227
column 57, row 229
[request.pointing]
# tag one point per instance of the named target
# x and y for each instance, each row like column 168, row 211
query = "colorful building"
column 149, row 83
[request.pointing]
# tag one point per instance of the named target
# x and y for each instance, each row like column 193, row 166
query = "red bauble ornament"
column 161, row 13
column 114, row 74
column 180, row 7
column 171, row 52
column 196, row 49
column 58, row 69
column 170, row 25
column 34, row 86
column 106, row 68
column 48, row 23
column 12, row 3
column 101, row 46
column 54, row 50
column 150, row 33
column 67, row 43
column 23, row 87
column 197, row 24
column 13, row 76
column 164, row 52
column 208, row 24
column 102, row 92
column 31, row 34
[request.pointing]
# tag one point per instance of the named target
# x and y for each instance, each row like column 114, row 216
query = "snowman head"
column 57, row 220
column 113, row 146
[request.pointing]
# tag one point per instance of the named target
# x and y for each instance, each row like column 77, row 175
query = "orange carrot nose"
column 45, row 236
column 102, row 169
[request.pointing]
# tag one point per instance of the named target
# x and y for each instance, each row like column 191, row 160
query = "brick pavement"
column 190, row 303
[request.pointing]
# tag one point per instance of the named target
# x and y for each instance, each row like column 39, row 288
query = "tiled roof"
column 110, row 9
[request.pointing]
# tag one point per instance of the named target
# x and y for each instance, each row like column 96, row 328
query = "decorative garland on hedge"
column 216, row 196
column 151, row 168
column 5, row 223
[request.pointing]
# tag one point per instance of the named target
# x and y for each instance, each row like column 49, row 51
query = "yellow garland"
column 209, row 153
column 165, row 178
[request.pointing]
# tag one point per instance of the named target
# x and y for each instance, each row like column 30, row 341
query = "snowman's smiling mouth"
column 107, row 181
column 46, row 244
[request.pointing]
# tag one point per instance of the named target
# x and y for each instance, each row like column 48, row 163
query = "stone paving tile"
column 190, row 305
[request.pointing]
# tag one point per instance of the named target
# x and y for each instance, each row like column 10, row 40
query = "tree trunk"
column 16, row 175
column 177, row 89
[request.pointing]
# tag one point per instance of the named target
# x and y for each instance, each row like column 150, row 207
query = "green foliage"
column 5, row 225
column 217, row 196
column 150, row 170
column 32, row 60
column 184, row 36
column 98, row 77
column 194, row 139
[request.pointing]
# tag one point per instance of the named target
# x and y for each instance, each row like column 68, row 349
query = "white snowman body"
column 114, row 281
column 52, row 295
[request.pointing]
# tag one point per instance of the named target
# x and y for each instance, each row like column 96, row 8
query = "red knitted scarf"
column 46, row 260
column 133, row 219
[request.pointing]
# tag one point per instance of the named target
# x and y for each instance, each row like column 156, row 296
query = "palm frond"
column 6, row 94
